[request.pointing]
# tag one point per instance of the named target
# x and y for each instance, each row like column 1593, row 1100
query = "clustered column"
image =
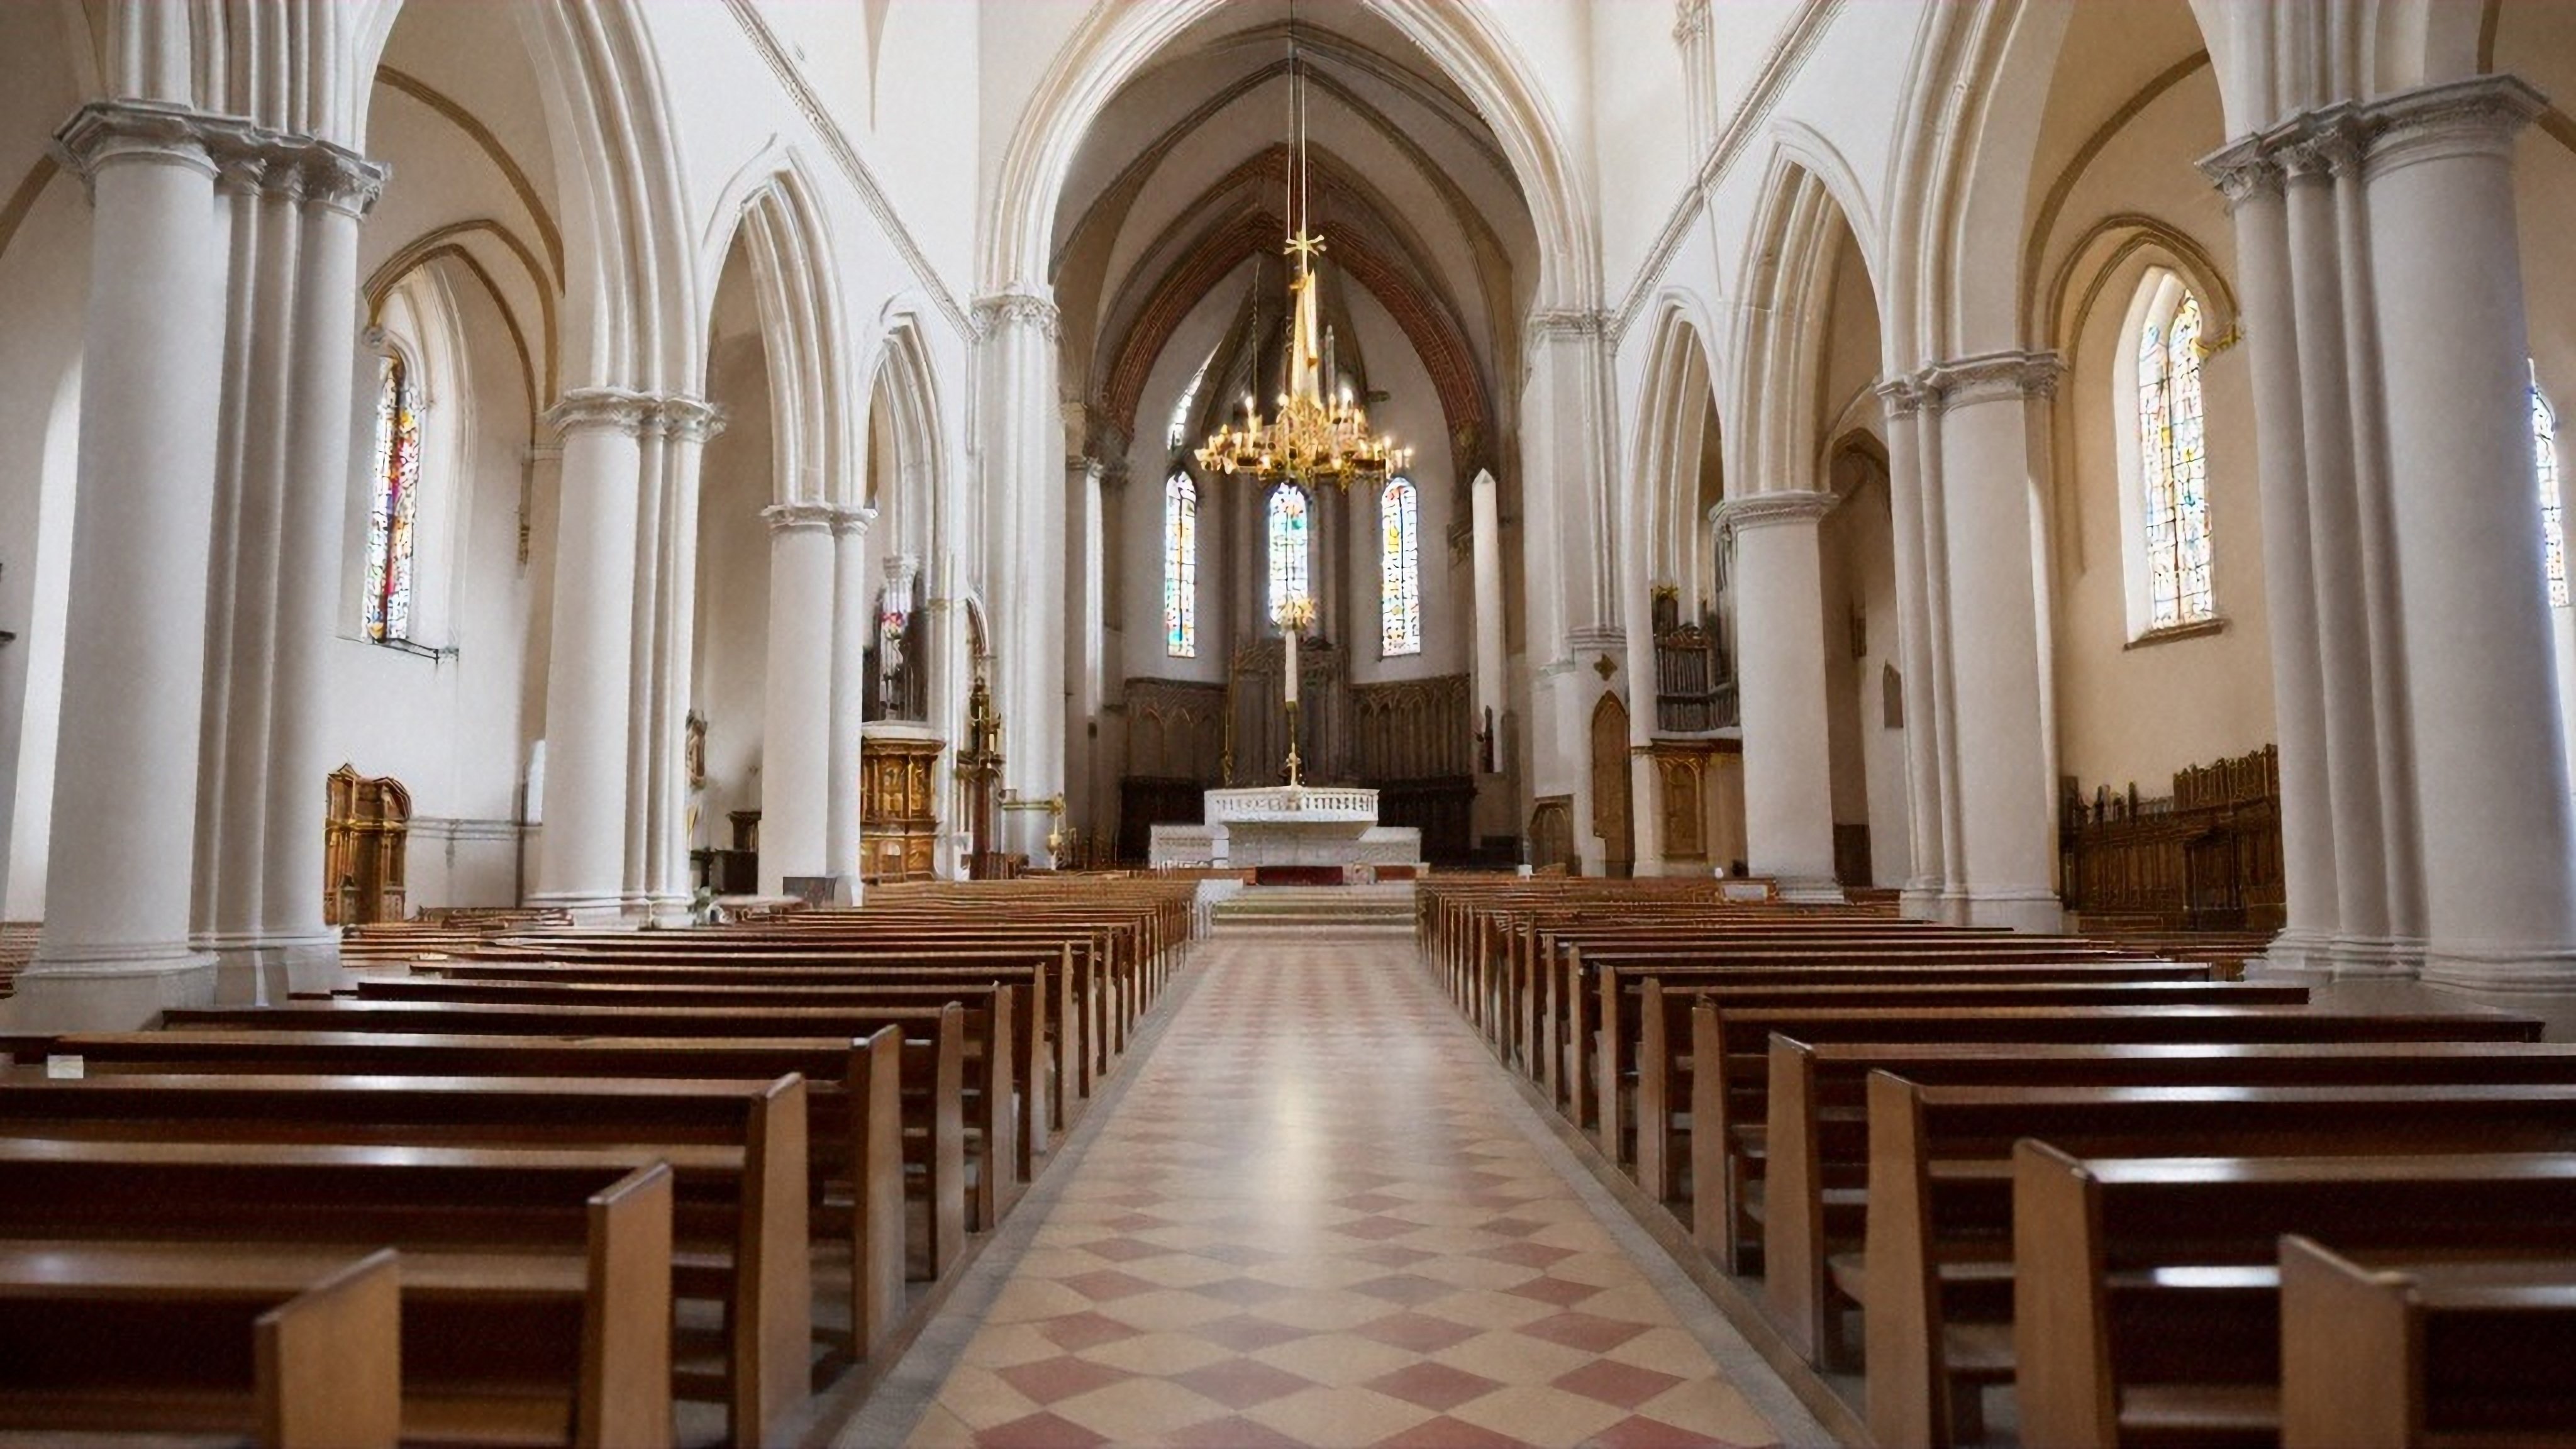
column 1024, row 456
column 236, row 304
column 854, row 622
column 796, row 737
column 2424, row 790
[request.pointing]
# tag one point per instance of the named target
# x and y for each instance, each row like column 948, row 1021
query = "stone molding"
column 1766, row 510
column 1690, row 21
column 1558, row 324
column 2477, row 116
column 673, row 415
column 801, row 517
column 1018, row 306
column 852, row 519
column 242, row 156
column 1593, row 638
column 1988, row 377
column 1901, row 396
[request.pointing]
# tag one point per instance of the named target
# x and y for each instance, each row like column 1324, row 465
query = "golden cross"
column 1304, row 244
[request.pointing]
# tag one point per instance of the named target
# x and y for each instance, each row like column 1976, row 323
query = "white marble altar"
column 1288, row 825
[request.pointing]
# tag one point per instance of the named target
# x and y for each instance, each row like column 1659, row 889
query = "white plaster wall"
column 733, row 589
column 450, row 728
column 1411, row 414
column 2138, row 714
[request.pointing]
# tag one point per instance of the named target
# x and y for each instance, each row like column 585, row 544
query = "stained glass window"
column 389, row 521
column 1399, row 580
column 1181, row 567
column 2544, row 459
column 1290, row 521
column 2174, row 469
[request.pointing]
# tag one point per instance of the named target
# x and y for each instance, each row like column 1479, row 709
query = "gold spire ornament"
column 1313, row 437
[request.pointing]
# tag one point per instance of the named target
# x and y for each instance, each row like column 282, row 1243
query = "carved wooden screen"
column 366, row 834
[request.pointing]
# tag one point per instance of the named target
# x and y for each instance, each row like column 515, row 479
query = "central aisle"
column 1319, row 1215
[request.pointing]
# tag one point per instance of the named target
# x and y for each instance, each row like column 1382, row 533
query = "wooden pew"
column 2146, row 1297
column 2425, row 1353
column 1015, row 1106
column 986, row 1069
column 749, row 1252
column 1730, row 1081
column 589, row 1228
column 1934, row 1283
column 855, row 1097
column 1658, row 1013
column 295, row 1349
column 1817, row 1143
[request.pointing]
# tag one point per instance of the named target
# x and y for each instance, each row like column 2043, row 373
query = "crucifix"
column 1295, row 617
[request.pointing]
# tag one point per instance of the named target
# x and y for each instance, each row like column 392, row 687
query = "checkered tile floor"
column 1311, row 1222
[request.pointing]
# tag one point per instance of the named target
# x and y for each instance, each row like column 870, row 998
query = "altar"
column 1303, row 825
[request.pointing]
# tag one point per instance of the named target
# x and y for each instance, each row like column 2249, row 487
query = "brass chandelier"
column 1312, row 437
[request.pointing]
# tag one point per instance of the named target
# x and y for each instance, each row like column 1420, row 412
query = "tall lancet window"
column 396, row 478
column 1399, row 576
column 1181, row 567
column 1290, row 523
column 2174, row 469
column 2544, row 462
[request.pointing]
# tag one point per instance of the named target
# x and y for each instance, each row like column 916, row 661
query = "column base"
column 2371, row 956
column 664, row 913
column 256, row 970
column 1807, row 890
column 589, row 911
column 2037, row 913
column 2501, row 966
column 109, row 990
column 1920, row 900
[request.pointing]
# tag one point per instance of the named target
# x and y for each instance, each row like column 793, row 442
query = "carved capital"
column 107, row 133
column 852, row 519
column 2478, row 116
column 601, row 407
column 1553, row 324
column 1690, row 21
column 1018, row 306
column 688, row 419
column 1902, row 397
column 800, row 517
column 1771, row 509
column 1989, row 377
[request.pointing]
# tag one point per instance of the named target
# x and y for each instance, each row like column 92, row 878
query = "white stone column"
column 796, row 729
column 1567, row 578
column 683, row 426
column 1023, row 458
column 2499, row 841
column 854, row 623
column 2006, row 866
column 1486, row 540
column 115, row 947
column 2330, row 429
column 1921, row 897
column 336, row 188
column 1780, row 668
column 2253, row 185
column 590, row 667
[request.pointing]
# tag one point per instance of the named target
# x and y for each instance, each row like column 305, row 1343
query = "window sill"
column 2172, row 633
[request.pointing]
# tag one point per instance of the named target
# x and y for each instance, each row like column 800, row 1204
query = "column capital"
column 852, row 519
column 1022, row 304
column 103, row 133
column 1771, row 508
column 1903, row 397
column 1564, row 324
column 1690, row 20
column 800, row 517
column 246, row 158
column 673, row 415
column 2481, row 114
column 2478, row 116
column 1989, row 377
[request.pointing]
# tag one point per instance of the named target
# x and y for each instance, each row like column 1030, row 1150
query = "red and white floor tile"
column 1319, row 1216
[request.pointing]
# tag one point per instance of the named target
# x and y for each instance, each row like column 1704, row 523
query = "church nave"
column 1317, row 1213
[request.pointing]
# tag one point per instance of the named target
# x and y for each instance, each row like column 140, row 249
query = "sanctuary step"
column 1385, row 909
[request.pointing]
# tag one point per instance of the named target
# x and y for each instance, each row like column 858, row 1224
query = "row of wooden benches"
column 617, row 1168
column 1971, row 1163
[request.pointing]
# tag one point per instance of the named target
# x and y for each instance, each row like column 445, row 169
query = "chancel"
column 1224, row 722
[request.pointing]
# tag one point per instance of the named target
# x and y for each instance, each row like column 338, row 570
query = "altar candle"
column 1289, row 628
